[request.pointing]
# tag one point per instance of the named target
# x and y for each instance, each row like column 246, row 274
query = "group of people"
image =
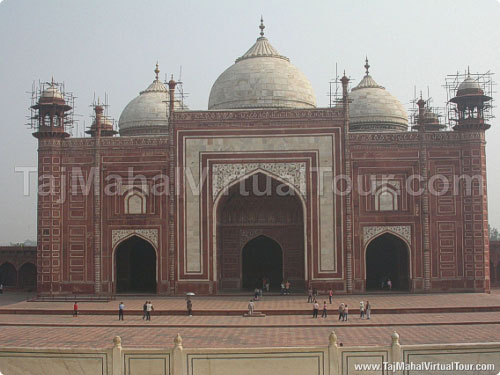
column 312, row 295
column 285, row 288
column 386, row 282
column 147, row 308
column 364, row 311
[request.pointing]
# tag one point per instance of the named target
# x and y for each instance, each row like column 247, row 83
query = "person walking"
column 251, row 306
column 330, row 295
column 315, row 293
column 144, row 308
column 287, row 287
column 346, row 313
column 368, row 309
column 282, row 287
column 256, row 294
column 268, row 284
column 309, row 295
column 323, row 315
column 1, row 288
column 362, row 310
column 75, row 310
column 121, row 308
column 149, row 309
column 315, row 309
column 389, row 284
column 189, row 306
column 341, row 311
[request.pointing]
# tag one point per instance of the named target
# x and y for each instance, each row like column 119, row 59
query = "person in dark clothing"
column 144, row 308
column 121, row 307
column 189, row 307
column 75, row 309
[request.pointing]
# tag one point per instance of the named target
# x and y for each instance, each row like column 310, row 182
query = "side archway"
column 135, row 266
column 27, row 276
column 8, row 274
column 387, row 258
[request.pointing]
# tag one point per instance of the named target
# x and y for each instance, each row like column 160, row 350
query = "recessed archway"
column 27, row 276
column 262, row 257
column 8, row 274
column 387, row 258
column 260, row 205
column 135, row 260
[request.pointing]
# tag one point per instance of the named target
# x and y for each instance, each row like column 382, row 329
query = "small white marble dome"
column 374, row 109
column 147, row 113
column 469, row 83
column 262, row 78
column 51, row 92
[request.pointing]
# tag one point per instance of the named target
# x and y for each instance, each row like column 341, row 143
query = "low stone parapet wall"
column 334, row 359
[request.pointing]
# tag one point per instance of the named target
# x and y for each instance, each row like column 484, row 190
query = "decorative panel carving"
column 224, row 174
column 373, row 231
column 119, row 234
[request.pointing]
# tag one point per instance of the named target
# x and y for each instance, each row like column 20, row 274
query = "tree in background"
column 494, row 235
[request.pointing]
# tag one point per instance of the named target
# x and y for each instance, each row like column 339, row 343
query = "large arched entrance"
column 262, row 258
column 27, row 276
column 135, row 261
column 8, row 274
column 387, row 258
column 253, row 216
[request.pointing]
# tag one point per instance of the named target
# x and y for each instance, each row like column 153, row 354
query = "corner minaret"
column 471, row 102
column 51, row 113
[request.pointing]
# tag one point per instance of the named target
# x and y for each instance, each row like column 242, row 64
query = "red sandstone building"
column 353, row 197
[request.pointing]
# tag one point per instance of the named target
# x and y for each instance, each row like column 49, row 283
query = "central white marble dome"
column 262, row 78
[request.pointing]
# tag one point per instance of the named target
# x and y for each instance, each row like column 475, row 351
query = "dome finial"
column 367, row 66
column 157, row 71
column 468, row 71
column 261, row 27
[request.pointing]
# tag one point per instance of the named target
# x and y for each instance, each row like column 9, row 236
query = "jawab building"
column 263, row 184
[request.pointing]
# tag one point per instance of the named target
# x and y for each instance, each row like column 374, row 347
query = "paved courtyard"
column 50, row 324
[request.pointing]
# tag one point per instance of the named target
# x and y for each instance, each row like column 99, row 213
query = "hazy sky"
column 98, row 46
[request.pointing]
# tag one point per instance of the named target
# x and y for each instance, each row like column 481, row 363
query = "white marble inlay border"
column 224, row 174
column 119, row 234
column 373, row 231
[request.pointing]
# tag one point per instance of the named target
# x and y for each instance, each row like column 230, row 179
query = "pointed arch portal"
column 135, row 260
column 8, row 274
column 387, row 257
column 261, row 257
column 260, row 233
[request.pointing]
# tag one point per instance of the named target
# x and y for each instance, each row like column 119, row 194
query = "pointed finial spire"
column 261, row 27
column 367, row 66
column 157, row 71
column 468, row 71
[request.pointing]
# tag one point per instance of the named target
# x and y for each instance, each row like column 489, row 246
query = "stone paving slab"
column 283, row 303
column 239, row 321
column 254, row 337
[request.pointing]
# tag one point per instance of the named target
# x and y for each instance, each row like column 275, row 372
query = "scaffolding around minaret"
column 51, row 109
column 469, row 102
